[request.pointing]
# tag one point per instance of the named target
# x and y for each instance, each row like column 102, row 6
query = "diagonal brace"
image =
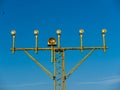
column 74, row 68
column 39, row 64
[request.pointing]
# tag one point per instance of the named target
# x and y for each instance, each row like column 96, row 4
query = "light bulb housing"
column 81, row 31
column 104, row 31
column 51, row 42
column 58, row 32
column 36, row 32
column 13, row 32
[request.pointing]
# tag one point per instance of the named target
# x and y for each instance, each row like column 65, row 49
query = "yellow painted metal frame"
column 61, row 50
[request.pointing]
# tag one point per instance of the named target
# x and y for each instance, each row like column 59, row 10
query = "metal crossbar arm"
column 84, row 48
column 39, row 64
column 63, row 48
column 74, row 68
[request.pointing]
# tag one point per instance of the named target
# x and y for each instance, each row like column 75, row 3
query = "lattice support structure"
column 59, row 71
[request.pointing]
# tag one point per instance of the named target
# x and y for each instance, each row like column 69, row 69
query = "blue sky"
column 101, row 71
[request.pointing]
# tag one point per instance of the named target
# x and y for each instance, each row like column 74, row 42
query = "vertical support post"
column 13, row 45
column 54, row 77
column 63, row 72
column 81, row 39
column 58, row 41
column 13, row 32
column 103, row 37
column 36, row 40
column 58, row 33
column 36, row 49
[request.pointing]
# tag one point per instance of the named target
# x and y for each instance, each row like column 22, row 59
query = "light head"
column 58, row 32
column 104, row 31
column 13, row 32
column 51, row 42
column 36, row 32
column 81, row 31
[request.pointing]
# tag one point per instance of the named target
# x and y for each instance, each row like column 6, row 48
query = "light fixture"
column 58, row 32
column 104, row 31
column 81, row 31
column 36, row 32
column 51, row 42
column 13, row 32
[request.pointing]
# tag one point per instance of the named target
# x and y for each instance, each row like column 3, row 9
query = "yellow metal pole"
column 36, row 40
column 13, row 45
column 81, row 47
column 104, row 41
column 36, row 49
column 64, row 48
column 54, row 77
column 13, row 32
column 81, row 39
column 58, row 41
column 63, row 72
column 58, row 33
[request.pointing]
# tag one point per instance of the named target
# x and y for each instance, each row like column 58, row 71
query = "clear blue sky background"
column 101, row 71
